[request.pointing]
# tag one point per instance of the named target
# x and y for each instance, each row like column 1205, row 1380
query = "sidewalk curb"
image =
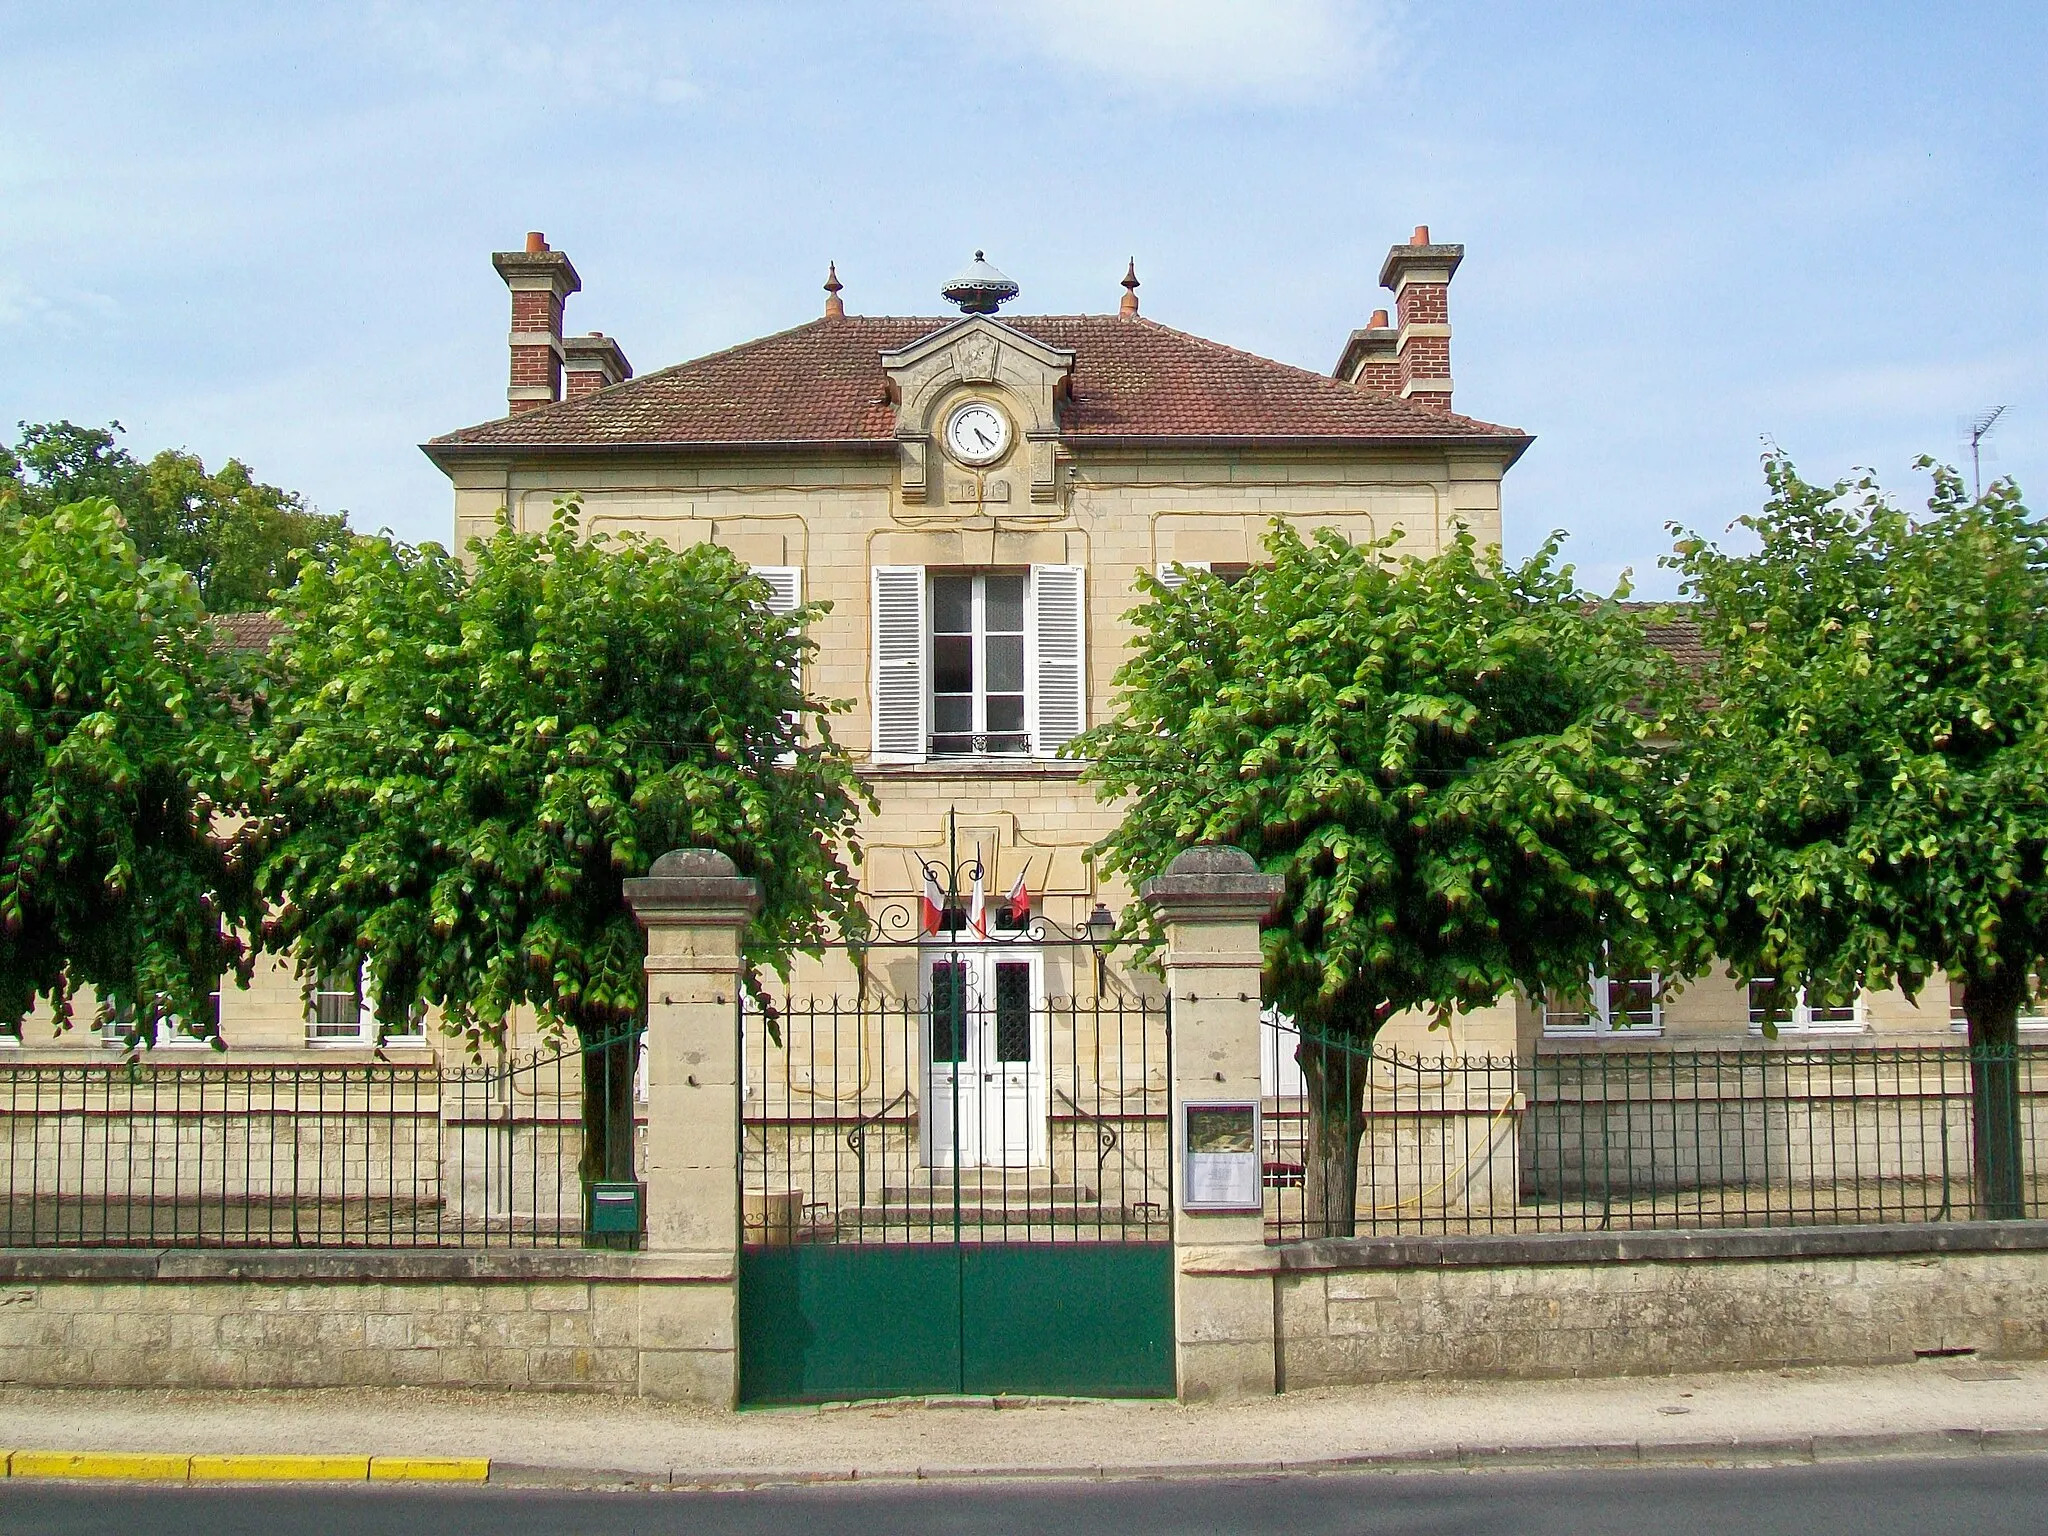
column 262, row 1467
column 1789, row 1450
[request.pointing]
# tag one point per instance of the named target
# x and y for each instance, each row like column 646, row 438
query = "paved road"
column 1985, row 1497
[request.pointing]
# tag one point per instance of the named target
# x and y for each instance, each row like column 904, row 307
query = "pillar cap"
column 1216, row 883
column 694, row 881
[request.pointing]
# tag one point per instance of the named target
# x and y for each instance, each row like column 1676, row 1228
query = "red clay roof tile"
column 823, row 383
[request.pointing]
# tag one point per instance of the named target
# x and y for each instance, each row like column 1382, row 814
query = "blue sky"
column 265, row 232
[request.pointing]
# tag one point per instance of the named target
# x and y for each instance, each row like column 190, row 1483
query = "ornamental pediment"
column 977, row 359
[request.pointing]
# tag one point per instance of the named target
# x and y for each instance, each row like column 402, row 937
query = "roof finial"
column 980, row 290
column 1130, row 287
column 834, row 310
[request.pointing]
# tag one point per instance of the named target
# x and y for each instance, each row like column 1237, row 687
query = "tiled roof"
column 1679, row 634
column 823, row 383
column 244, row 631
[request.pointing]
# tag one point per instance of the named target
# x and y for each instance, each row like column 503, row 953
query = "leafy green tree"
column 237, row 536
column 463, row 763
column 120, row 747
column 1868, row 804
column 1448, row 762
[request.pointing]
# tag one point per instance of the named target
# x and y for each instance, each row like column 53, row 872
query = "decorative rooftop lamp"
column 980, row 290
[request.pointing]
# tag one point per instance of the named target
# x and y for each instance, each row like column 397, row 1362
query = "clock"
column 977, row 433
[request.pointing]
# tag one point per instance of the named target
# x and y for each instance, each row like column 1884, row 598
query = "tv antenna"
column 1979, row 430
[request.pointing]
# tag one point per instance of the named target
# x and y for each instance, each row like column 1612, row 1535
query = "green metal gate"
column 959, row 1182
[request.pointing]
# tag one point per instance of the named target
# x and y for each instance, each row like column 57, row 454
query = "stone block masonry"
column 1340, row 1312
column 621, row 1325
column 1357, row 1311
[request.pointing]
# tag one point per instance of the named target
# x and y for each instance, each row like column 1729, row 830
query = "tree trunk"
column 1334, row 1072
column 1997, row 1154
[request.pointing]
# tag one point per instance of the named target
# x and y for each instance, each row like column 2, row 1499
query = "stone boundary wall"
column 1336, row 1312
column 1356, row 1311
column 625, row 1325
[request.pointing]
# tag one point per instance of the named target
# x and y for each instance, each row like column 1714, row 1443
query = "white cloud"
column 562, row 49
column 1270, row 48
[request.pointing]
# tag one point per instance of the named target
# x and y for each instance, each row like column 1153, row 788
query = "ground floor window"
column 339, row 1012
column 1800, row 1011
column 1609, row 1005
column 2033, row 1012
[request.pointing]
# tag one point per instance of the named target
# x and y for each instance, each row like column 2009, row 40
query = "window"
column 1802, row 1013
column 335, row 1014
column 340, row 1012
column 976, row 662
column 2033, row 1012
column 1174, row 573
column 1608, row 1006
column 168, row 1029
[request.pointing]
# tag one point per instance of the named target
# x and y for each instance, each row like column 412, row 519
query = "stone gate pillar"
column 694, row 905
column 1211, row 902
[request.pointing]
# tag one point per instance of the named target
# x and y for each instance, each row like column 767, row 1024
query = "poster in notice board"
column 1224, row 1167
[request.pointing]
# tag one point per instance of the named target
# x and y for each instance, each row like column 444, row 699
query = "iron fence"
column 980, row 1110
column 1777, row 1135
column 206, row 1153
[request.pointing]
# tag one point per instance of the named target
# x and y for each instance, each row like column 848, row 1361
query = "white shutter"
column 1175, row 573
column 1058, row 708
column 898, row 684
column 785, row 586
column 785, row 596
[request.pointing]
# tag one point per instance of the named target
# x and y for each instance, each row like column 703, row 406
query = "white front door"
column 986, row 1040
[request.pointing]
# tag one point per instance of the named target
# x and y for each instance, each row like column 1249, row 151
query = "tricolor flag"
column 1018, row 902
column 934, row 901
column 977, row 903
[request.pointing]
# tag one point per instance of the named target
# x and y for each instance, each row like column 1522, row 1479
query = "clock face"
column 977, row 433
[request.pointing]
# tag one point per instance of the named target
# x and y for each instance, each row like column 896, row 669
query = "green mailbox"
column 614, row 1210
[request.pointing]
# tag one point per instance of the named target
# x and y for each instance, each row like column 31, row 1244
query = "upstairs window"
column 977, row 662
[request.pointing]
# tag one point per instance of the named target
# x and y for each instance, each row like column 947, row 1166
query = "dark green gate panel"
column 831, row 1321
column 1080, row 1319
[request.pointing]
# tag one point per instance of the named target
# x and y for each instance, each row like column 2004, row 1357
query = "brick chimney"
column 1420, row 275
column 592, row 363
column 1369, row 359
column 540, row 279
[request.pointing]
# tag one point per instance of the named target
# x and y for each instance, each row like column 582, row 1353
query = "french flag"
column 934, row 901
column 977, row 903
column 1018, row 903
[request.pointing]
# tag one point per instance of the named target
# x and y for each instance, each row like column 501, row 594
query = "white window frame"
column 1801, row 1020
column 366, row 1021
column 1599, row 1015
column 978, row 636
column 900, row 660
column 2033, row 1022
column 173, row 1036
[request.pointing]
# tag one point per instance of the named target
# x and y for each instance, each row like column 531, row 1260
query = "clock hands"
column 983, row 438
